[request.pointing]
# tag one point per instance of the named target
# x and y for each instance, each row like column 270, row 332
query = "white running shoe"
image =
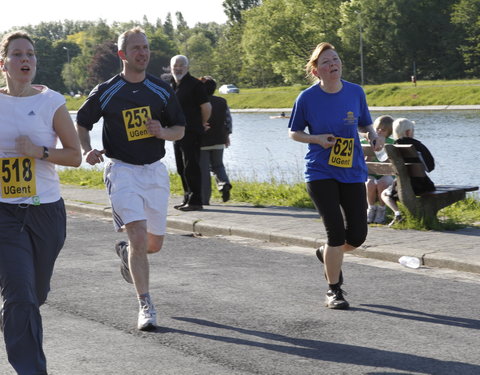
column 121, row 248
column 371, row 212
column 147, row 316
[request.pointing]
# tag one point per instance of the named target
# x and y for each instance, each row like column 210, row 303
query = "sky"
column 33, row 12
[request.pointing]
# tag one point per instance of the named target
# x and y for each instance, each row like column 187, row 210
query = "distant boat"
column 282, row 115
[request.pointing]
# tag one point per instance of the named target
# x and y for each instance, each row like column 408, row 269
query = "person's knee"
column 382, row 185
column 370, row 184
column 155, row 243
column 356, row 239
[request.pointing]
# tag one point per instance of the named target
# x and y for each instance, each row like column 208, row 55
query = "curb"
column 209, row 229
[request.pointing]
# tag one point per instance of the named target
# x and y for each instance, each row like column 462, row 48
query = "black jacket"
column 420, row 184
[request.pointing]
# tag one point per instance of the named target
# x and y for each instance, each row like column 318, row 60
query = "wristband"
column 45, row 153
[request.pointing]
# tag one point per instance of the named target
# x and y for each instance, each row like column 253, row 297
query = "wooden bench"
column 425, row 206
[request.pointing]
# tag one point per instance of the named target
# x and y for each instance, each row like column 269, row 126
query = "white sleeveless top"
column 32, row 116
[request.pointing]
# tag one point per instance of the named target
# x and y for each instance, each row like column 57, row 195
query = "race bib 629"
column 342, row 153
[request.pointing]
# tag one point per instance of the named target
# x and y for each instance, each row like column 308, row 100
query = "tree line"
column 267, row 43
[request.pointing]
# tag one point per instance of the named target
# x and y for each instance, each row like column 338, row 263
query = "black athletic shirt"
column 124, row 107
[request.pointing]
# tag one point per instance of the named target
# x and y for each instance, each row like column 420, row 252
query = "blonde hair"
column 401, row 126
column 385, row 122
column 313, row 61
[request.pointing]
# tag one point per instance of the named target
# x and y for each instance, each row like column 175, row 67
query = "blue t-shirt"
column 339, row 114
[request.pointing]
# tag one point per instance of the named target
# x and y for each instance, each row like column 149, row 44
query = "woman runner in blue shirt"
column 334, row 111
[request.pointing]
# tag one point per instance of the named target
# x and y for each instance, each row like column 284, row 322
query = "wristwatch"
column 45, row 153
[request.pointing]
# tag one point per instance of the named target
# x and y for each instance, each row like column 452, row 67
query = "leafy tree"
column 49, row 64
column 284, row 43
column 198, row 49
column 227, row 56
column 168, row 28
column 162, row 48
column 75, row 75
column 466, row 16
column 234, row 8
column 104, row 63
column 398, row 34
column 182, row 30
column 49, row 30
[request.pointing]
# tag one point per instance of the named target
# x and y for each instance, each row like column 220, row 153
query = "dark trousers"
column 212, row 161
column 31, row 238
column 187, row 157
column 330, row 197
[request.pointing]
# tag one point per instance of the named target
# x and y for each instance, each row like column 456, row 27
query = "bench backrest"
column 394, row 165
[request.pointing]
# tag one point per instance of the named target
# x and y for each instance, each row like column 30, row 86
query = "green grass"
column 87, row 177
column 273, row 193
column 460, row 92
column 389, row 94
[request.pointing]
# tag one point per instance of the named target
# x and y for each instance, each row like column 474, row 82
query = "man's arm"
column 93, row 156
column 172, row 133
column 84, row 136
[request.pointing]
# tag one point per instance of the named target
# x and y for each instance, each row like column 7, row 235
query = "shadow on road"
column 398, row 312
column 329, row 351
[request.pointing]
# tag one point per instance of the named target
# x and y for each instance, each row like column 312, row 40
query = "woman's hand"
column 24, row 146
column 325, row 140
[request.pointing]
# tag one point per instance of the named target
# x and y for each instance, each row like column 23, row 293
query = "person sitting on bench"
column 403, row 132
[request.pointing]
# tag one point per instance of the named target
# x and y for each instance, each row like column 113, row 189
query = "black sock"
column 335, row 286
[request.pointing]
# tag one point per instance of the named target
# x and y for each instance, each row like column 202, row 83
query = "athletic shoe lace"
column 147, row 309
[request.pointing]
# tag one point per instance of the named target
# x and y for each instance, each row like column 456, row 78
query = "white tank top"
column 28, row 180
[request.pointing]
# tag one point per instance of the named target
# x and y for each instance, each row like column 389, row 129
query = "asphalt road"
column 240, row 306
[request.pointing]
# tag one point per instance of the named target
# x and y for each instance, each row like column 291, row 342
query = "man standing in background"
column 197, row 110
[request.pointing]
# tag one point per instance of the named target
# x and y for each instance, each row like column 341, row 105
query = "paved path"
column 457, row 250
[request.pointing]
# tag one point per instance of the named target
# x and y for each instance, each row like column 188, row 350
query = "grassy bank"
column 272, row 193
column 388, row 94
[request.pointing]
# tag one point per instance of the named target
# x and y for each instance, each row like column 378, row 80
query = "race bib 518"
column 342, row 153
column 18, row 177
column 134, row 120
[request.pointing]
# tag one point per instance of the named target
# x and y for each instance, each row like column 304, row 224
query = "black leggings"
column 330, row 197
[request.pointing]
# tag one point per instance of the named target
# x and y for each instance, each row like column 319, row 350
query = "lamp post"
column 361, row 46
column 68, row 54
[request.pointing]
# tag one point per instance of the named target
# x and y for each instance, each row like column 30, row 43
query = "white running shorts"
column 138, row 192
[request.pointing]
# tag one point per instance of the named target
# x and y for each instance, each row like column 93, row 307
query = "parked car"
column 228, row 89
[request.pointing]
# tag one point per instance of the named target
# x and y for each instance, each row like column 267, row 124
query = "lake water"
column 262, row 151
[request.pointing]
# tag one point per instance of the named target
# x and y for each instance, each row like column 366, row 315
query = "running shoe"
column 335, row 300
column 319, row 253
column 147, row 316
column 121, row 248
column 397, row 219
